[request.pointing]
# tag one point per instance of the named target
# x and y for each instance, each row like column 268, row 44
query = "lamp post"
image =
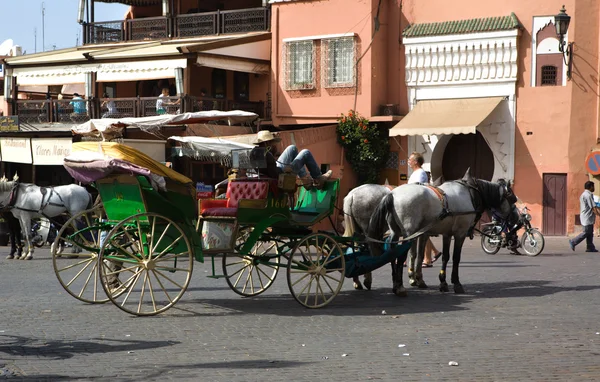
column 561, row 22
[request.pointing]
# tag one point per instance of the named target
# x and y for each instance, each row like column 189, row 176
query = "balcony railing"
column 190, row 25
column 80, row 111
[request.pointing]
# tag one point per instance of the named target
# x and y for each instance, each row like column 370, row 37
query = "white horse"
column 28, row 201
column 415, row 209
column 359, row 204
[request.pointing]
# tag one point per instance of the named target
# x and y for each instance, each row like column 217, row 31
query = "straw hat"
column 265, row 136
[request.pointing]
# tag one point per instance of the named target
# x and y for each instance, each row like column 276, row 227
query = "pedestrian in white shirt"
column 415, row 162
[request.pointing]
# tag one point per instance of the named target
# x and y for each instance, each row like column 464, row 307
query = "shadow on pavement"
column 372, row 303
column 19, row 346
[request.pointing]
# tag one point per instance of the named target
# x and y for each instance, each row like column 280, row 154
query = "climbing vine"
column 366, row 146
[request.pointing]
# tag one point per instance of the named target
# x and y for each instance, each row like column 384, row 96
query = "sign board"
column 50, row 151
column 9, row 123
column 592, row 163
column 16, row 150
column 204, row 191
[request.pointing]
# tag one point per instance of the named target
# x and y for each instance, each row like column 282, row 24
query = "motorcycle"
column 44, row 231
column 493, row 236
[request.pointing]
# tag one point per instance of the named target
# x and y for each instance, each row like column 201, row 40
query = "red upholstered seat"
column 236, row 191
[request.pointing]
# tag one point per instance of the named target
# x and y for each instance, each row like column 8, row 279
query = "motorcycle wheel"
column 487, row 244
column 532, row 242
column 37, row 241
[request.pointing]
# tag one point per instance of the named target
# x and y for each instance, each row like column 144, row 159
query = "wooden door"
column 555, row 205
column 468, row 151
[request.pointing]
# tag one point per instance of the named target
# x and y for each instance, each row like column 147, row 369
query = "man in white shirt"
column 587, row 216
column 415, row 162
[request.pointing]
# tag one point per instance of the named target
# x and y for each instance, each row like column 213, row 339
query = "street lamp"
column 561, row 22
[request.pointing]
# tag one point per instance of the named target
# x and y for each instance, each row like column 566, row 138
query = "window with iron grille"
column 549, row 75
column 299, row 67
column 338, row 62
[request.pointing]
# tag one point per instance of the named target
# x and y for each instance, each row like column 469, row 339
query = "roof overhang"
column 448, row 116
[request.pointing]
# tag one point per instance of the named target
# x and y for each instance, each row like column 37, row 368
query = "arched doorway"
column 465, row 151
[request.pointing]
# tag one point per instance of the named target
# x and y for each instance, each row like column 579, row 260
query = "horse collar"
column 12, row 198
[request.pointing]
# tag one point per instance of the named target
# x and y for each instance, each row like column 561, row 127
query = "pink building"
column 481, row 85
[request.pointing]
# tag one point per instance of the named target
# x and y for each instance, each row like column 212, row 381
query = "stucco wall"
column 562, row 121
column 289, row 20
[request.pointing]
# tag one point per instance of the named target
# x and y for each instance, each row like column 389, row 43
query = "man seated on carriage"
column 290, row 161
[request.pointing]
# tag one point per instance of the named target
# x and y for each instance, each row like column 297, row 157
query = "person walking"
column 587, row 215
column 415, row 162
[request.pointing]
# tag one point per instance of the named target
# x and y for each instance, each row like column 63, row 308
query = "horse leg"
column 458, row 243
column 13, row 243
column 398, row 268
column 411, row 264
column 368, row 280
column 445, row 258
column 26, row 228
column 421, row 242
column 357, row 284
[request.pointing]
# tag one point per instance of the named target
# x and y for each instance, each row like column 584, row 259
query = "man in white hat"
column 291, row 161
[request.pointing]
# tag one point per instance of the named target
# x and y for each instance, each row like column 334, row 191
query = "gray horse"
column 413, row 209
column 28, row 201
column 359, row 204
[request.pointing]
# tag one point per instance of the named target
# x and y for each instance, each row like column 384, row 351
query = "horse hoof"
column 358, row 286
column 412, row 282
column 400, row 292
column 422, row 285
column 10, row 257
column 458, row 289
column 444, row 288
column 28, row 257
column 368, row 285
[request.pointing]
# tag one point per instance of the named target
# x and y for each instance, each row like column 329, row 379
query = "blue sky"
column 21, row 17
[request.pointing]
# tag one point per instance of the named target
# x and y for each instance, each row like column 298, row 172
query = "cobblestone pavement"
column 522, row 318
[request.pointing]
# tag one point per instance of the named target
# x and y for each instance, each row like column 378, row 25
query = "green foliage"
column 366, row 146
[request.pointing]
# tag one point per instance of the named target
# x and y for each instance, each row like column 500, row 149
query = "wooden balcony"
column 181, row 26
column 77, row 112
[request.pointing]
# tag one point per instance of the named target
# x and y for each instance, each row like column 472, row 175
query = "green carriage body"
column 125, row 195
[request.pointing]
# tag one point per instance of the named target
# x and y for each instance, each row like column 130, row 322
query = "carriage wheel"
column 75, row 255
column 147, row 262
column 249, row 275
column 315, row 270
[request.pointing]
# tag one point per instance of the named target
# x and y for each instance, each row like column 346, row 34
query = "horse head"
column 499, row 197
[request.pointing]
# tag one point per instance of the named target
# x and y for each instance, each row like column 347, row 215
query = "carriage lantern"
column 561, row 22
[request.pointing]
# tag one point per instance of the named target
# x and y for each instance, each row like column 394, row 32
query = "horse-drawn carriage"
column 140, row 243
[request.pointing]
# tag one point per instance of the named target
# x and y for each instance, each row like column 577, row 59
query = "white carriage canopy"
column 210, row 149
column 110, row 127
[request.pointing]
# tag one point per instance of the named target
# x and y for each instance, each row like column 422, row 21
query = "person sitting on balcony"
column 110, row 105
column 162, row 104
column 78, row 104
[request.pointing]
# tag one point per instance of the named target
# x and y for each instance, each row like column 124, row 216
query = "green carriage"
column 138, row 246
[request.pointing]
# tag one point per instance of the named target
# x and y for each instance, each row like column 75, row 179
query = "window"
column 241, row 84
column 549, row 75
column 219, row 83
column 338, row 62
column 299, row 67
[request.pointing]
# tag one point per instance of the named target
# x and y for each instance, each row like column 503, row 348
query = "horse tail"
column 378, row 221
column 348, row 219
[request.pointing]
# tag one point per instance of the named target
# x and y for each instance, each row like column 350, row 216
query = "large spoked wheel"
column 147, row 262
column 532, row 242
column 251, row 274
column 490, row 243
column 315, row 270
column 77, row 271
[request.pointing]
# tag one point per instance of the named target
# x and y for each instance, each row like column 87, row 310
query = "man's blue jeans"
column 588, row 235
column 298, row 160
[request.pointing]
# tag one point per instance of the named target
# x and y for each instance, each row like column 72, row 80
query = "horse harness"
column 44, row 190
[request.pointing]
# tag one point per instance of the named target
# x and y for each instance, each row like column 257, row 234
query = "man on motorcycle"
column 512, row 226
